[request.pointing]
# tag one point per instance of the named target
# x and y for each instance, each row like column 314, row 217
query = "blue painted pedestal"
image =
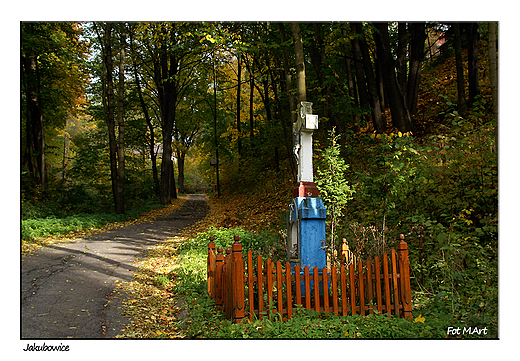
column 306, row 234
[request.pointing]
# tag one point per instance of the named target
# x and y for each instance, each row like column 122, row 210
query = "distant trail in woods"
column 67, row 288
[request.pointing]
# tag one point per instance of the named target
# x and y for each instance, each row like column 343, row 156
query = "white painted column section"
column 305, row 172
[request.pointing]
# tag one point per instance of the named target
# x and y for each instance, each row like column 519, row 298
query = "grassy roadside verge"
column 40, row 232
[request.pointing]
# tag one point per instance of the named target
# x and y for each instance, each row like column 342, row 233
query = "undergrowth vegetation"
column 38, row 231
column 441, row 191
column 186, row 279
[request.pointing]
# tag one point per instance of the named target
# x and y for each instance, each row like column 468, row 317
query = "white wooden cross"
column 304, row 126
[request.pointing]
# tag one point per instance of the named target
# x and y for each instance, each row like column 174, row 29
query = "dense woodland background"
column 115, row 117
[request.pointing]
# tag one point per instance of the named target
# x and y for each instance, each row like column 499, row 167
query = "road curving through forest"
column 67, row 288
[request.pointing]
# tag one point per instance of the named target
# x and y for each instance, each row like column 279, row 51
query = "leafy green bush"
column 268, row 244
column 441, row 191
column 32, row 210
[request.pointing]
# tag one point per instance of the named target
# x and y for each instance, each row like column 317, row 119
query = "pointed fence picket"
column 266, row 288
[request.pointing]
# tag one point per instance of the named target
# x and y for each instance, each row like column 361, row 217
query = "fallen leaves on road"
column 152, row 304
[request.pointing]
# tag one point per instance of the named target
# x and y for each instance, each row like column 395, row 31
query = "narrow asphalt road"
column 67, row 288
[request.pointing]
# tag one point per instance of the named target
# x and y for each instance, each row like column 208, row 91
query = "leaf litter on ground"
column 152, row 289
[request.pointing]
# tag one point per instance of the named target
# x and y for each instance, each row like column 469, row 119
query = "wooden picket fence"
column 380, row 285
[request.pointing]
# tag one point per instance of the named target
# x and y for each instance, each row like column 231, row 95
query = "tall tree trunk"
column 380, row 84
column 28, row 162
column 279, row 115
column 461, row 93
column 173, row 188
column 288, row 88
column 287, row 73
column 267, row 100
column 300, row 63
column 239, row 83
column 402, row 51
column 317, row 51
column 473, row 62
column 215, row 125
column 418, row 37
column 377, row 110
column 35, row 132
column 120, row 203
column 109, row 106
column 286, row 136
column 351, row 82
column 400, row 115
column 251, row 107
column 153, row 154
column 352, row 92
column 493, row 73
column 167, row 179
column 65, row 163
column 358, row 67
column 165, row 71
column 251, row 104
column 181, row 156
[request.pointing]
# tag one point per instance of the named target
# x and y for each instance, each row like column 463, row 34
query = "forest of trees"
column 117, row 115
column 131, row 102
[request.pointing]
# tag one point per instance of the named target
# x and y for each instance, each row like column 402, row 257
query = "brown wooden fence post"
column 361, row 287
column 269, row 284
column 352, row 275
column 260, row 283
column 307, row 284
column 343, row 281
column 237, row 282
column 386, row 276
column 288, row 289
column 211, row 267
column 395, row 287
column 250, row 288
column 219, row 264
column 378, row 286
column 334, row 277
column 279, row 293
column 227, row 294
column 370, row 287
column 298, row 285
column 315, row 276
column 404, row 265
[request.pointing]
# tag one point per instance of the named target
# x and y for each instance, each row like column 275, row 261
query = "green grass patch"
column 52, row 226
column 35, row 228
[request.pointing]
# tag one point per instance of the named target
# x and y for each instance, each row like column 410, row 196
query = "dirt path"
column 66, row 289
